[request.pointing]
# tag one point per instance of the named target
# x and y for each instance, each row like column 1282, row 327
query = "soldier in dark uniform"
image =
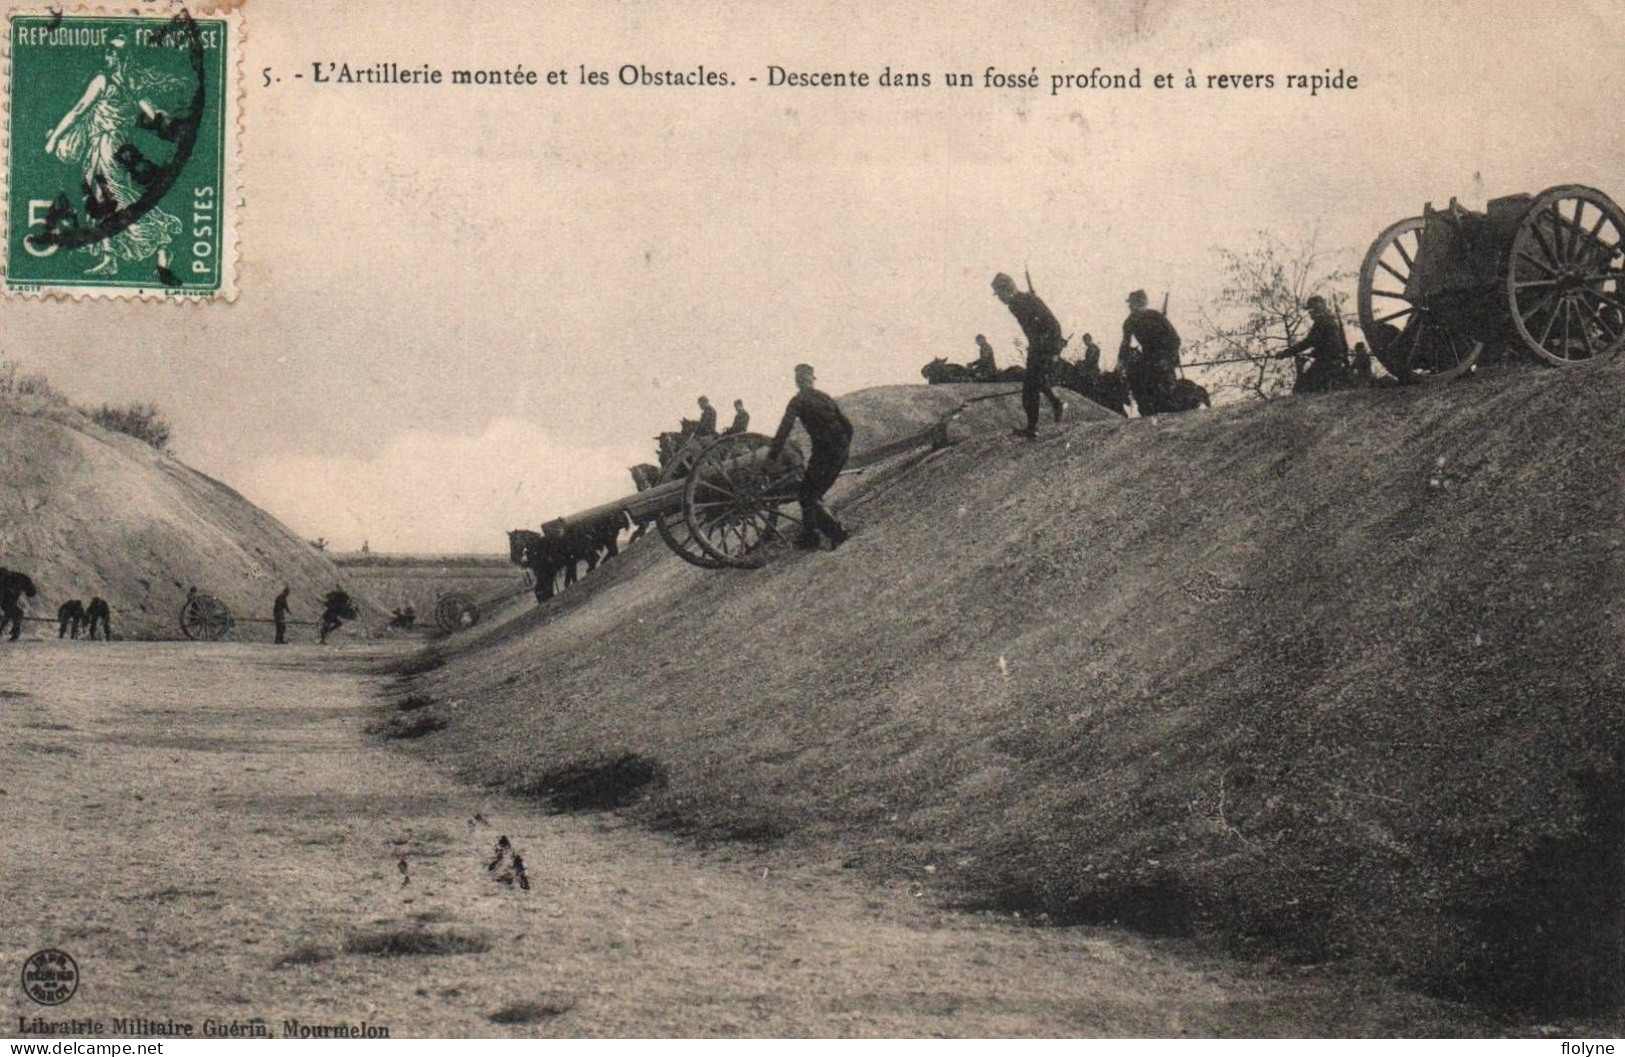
column 1150, row 372
column 741, row 420
column 99, row 612
column 831, row 435
column 14, row 586
column 279, row 616
column 1328, row 350
column 986, row 368
column 1044, row 344
column 708, row 419
column 70, row 617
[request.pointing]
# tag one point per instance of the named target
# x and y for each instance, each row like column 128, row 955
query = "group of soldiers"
column 73, row 616
column 706, row 426
column 1148, row 358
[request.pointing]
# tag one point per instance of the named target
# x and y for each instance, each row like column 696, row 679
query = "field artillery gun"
column 1544, row 273
column 721, row 503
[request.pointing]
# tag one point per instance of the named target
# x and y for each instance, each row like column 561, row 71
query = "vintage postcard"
column 850, row 519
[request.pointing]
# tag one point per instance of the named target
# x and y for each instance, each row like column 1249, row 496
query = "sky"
column 470, row 309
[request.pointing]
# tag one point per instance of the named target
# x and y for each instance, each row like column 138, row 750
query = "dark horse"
column 14, row 587
column 1106, row 388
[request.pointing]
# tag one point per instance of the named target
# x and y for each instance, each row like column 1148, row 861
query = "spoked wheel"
column 673, row 524
column 456, row 611
column 204, row 618
column 735, row 499
column 1416, row 338
column 1565, row 281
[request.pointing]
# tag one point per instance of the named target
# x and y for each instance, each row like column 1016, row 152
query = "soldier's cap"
column 804, row 368
column 1003, row 280
column 1314, row 301
column 1138, row 295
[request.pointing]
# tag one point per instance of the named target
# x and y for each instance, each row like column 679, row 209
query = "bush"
column 141, row 421
column 14, row 383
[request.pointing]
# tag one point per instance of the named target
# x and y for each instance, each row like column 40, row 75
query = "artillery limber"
column 1542, row 273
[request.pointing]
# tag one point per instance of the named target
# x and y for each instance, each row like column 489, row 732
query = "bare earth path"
column 212, row 834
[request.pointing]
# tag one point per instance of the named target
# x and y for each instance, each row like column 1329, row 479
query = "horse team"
column 561, row 547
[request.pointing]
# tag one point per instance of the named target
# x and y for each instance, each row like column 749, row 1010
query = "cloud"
column 427, row 493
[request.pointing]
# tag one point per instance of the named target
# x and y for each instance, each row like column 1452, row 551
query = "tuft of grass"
column 413, row 702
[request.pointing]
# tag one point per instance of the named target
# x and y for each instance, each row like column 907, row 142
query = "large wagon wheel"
column 1415, row 338
column 456, row 611
column 204, row 618
column 672, row 525
column 1565, row 276
column 734, row 499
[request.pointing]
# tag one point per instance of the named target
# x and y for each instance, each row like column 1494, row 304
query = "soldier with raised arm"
column 831, row 434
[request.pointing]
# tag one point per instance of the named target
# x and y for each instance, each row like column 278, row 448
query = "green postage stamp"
column 121, row 160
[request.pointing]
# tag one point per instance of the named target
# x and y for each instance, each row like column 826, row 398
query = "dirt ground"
column 212, row 833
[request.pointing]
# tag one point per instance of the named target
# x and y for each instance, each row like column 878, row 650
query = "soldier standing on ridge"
column 1327, row 347
column 279, row 616
column 708, row 419
column 99, row 612
column 1151, row 373
column 831, row 434
column 1044, row 344
column 741, row 420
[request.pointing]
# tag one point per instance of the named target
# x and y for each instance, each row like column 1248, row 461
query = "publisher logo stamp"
column 121, row 149
column 50, row 977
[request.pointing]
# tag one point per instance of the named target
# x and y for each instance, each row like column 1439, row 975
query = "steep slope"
column 1334, row 676
column 85, row 511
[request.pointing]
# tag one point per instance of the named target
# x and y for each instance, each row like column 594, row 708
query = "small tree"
column 141, row 421
column 1260, row 312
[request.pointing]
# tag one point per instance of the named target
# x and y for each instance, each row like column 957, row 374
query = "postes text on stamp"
column 122, row 154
